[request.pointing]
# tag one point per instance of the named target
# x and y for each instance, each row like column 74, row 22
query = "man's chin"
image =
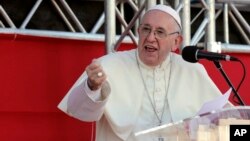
column 151, row 62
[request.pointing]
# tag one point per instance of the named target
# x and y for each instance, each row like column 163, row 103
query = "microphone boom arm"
column 218, row 65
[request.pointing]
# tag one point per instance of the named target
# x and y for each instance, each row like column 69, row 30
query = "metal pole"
column 200, row 32
column 6, row 17
column 186, row 23
column 73, row 16
column 110, row 25
column 32, row 12
column 1, row 24
column 235, row 48
column 132, row 22
column 63, row 16
column 176, row 3
column 125, row 25
column 240, row 17
column 98, row 24
column 140, row 4
column 122, row 14
column 226, row 23
column 211, row 44
column 150, row 3
column 240, row 29
column 235, row 1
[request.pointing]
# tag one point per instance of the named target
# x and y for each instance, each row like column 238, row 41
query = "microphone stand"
column 218, row 65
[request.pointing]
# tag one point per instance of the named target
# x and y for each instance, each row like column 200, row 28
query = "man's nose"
column 151, row 36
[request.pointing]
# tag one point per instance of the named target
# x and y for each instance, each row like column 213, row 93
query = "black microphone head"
column 189, row 54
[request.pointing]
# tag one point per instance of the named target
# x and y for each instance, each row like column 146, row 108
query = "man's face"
column 157, row 37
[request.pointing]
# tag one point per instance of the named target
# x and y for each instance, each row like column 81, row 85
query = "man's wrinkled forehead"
column 168, row 10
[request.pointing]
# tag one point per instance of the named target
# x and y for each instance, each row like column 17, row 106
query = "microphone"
column 193, row 54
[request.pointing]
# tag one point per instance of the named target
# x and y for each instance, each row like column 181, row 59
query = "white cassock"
column 122, row 107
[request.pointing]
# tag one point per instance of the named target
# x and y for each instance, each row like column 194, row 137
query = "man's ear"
column 177, row 43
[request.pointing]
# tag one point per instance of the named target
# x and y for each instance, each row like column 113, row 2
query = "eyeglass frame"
column 156, row 33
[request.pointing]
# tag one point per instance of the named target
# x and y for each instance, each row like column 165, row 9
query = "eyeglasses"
column 159, row 33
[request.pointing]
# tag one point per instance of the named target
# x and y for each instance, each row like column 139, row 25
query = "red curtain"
column 36, row 73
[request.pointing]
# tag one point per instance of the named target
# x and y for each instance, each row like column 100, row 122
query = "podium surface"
column 211, row 126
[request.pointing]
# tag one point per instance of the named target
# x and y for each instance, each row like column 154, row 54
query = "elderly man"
column 130, row 91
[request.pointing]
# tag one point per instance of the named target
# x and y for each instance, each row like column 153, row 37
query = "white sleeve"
column 94, row 95
column 84, row 104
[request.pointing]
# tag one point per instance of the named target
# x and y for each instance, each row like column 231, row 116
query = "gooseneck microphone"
column 193, row 54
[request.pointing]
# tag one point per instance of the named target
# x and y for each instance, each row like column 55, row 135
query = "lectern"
column 212, row 126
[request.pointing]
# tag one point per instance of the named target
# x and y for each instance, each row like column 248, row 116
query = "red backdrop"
column 36, row 73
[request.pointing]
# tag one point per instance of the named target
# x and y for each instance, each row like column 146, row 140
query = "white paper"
column 215, row 104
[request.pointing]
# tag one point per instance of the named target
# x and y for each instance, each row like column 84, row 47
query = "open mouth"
column 150, row 48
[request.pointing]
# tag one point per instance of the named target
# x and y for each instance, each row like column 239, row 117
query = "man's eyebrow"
column 146, row 25
column 161, row 28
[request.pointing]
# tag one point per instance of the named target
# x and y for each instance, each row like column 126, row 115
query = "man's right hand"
column 96, row 75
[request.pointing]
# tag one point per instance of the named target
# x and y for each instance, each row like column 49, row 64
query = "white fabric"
column 117, row 114
column 156, row 81
column 168, row 10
